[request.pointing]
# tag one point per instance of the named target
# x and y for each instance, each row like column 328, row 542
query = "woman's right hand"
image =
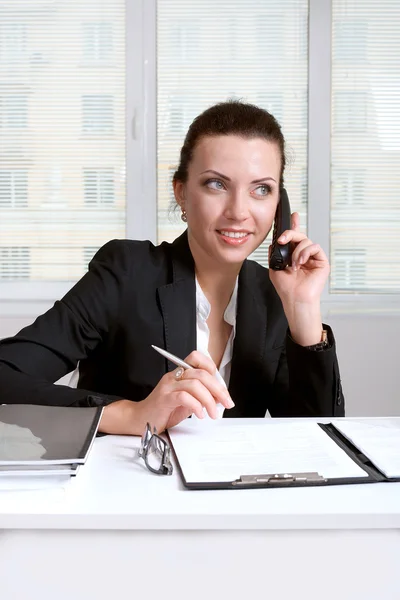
column 171, row 401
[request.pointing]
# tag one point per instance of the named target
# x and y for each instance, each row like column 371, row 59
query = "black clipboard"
column 288, row 480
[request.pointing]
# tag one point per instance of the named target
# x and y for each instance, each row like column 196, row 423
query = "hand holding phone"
column 280, row 254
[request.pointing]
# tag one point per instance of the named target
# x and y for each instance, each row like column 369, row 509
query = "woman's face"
column 230, row 196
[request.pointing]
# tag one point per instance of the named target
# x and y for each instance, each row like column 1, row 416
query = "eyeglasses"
column 155, row 452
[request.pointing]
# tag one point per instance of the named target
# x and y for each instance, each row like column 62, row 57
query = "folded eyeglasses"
column 155, row 452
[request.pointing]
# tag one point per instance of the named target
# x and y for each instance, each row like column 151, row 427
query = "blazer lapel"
column 178, row 302
column 249, row 344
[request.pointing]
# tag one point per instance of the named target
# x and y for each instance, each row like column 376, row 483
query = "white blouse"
column 203, row 309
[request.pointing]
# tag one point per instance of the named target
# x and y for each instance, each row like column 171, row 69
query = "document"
column 378, row 439
column 224, row 450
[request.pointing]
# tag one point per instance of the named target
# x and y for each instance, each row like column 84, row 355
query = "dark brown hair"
column 230, row 118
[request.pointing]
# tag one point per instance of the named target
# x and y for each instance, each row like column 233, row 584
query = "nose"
column 237, row 207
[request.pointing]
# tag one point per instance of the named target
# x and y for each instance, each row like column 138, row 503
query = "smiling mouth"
column 233, row 234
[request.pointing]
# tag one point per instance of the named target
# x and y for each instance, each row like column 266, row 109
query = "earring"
column 184, row 216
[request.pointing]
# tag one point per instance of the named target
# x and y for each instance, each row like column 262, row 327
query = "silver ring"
column 179, row 373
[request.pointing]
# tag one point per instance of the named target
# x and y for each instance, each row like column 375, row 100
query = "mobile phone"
column 280, row 256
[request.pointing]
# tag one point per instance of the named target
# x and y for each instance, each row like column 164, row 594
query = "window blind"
column 211, row 51
column 365, row 174
column 62, row 129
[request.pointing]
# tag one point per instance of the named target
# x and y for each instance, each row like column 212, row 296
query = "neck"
column 216, row 280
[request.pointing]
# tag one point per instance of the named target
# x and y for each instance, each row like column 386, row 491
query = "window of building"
column 14, row 262
column 348, row 187
column 350, row 110
column 12, row 42
column 97, row 114
column 13, row 188
column 98, row 186
column 14, row 111
column 97, row 41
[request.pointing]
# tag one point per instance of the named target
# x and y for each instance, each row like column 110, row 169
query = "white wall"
column 368, row 350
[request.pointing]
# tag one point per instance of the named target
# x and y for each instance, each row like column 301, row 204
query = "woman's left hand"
column 300, row 286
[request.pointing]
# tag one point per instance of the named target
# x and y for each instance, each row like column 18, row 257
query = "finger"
column 295, row 221
column 313, row 251
column 291, row 235
column 198, row 360
column 216, row 389
column 185, row 399
column 299, row 248
column 195, row 388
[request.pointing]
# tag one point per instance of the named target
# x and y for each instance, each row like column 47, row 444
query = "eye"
column 262, row 190
column 215, row 184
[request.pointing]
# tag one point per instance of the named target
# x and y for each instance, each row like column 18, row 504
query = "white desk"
column 119, row 532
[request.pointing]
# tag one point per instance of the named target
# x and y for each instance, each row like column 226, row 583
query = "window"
column 14, row 262
column 365, row 147
column 97, row 114
column 52, row 91
column 97, row 41
column 14, row 111
column 98, row 186
column 12, row 42
column 60, row 111
column 13, row 188
column 248, row 50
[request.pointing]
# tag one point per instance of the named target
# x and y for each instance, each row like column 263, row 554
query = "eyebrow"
column 229, row 179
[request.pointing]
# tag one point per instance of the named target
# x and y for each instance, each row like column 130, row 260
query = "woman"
column 198, row 297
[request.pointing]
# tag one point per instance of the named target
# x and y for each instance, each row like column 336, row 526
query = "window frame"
column 141, row 157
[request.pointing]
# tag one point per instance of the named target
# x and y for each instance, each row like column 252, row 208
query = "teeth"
column 234, row 234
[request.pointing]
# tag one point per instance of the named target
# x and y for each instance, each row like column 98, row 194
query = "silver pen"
column 174, row 359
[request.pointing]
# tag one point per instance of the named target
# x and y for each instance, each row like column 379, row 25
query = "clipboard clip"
column 272, row 478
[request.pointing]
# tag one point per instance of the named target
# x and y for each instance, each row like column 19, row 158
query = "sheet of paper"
column 378, row 439
column 223, row 450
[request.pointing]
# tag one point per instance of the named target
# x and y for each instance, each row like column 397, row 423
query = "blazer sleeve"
column 307, row 382
column 52, row 346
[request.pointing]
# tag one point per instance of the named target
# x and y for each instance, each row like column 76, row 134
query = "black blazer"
column 136, row 294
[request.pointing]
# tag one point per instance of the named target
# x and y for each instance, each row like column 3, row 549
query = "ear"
column 179, row 192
